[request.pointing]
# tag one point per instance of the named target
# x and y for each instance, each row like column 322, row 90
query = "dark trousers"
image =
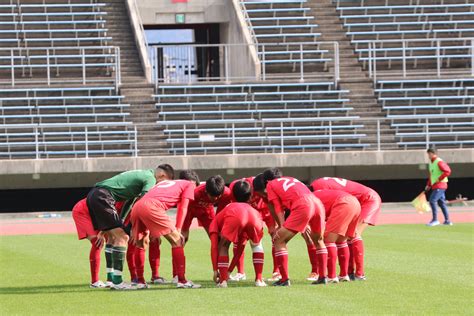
column 438, row 196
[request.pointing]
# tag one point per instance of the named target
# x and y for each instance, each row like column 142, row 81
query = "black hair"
column 215, row 185
column 431, row 150
column 259, row 183
column 310, row 187
column 242, row 191
column 190, row 175
column 168, row 169
column 271, row 174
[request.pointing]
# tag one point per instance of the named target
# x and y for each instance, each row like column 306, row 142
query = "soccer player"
column 85, row 229
column 149, row 214
column 261, row 205
column 206, row 195
column 237, row 222
column 342, row 216
column 101, row 201
column 438, row 184
column 370, row 203
column 306, row 215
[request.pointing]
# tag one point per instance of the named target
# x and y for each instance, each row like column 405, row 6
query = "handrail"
column 140, row 37
column 250, row 39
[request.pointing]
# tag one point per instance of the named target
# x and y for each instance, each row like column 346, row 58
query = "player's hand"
column 99, row 243
column 427, row 188
column 216, row 277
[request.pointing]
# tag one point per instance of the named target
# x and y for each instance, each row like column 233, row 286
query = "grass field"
column 411, row 269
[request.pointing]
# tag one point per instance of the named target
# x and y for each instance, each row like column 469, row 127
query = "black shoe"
column 321, row 281
column 282, row 283
column 352, row 276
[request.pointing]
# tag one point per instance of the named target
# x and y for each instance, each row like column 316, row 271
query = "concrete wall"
column 56, row 173
column 155, row 12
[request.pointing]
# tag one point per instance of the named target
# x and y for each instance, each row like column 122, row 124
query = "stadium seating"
column 289, row 34
column 410, row 34
column 257, row 117
column 427, row 112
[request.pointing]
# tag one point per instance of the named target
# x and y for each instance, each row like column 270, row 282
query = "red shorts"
column 204, row 216
column 237, row 228
column 308, row 210
column 344, row 217
column 83, row 221
column 149, row 214
column 370, row 208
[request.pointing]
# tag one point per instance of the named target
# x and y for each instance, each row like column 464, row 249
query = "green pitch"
column 411, row 269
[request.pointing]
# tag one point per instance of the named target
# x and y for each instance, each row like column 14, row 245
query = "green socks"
column 108, row 261
column 118, row 256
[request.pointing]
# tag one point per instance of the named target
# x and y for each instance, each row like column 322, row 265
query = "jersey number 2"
column 288, row 183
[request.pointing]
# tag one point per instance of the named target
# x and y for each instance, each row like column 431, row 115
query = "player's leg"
column 281, row 238
column 177, row 252
column 357, row 253
column 343, row 256
column 223, row 262
column 258, row 259
column 330, row 242
column 444, row 208
column 240, row 275
column 434, row 197
column 131, row 261
column 311, row 247
column 94, row 260
column 154, row 257
column 139, row 262
column 119, row 249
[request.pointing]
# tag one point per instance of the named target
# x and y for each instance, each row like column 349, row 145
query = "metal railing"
column 332, row 135
column 191, row 63
column 381, row 64
column 69, row 140
column 59, row 65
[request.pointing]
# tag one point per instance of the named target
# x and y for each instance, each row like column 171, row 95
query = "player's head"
column 271, row 174
column 215, row 186
column 164, row 172
column 189, row 175
column 431, row 152
column 259, row 184
column 242, row 191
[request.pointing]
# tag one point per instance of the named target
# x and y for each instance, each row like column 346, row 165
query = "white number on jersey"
column 340, row 181
column 165, row 184
column 288, row 183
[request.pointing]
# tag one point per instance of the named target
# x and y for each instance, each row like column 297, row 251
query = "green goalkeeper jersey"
column 129, row 184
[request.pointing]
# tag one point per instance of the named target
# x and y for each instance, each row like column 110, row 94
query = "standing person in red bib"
column 370, row 203
column 306, row 215
column 149, row 214
column 438, row 184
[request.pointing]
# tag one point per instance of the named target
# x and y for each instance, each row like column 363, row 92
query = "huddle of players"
column 331, row 214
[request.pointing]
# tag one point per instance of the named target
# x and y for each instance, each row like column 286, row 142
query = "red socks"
column 358, row 253
column 258, row 265
column 179, row 263
column 139, row 256
column 343, row 255
column 223, row 267
column 282, row 260
column 131, row 261
column 312, row 257
column 322, row 255
column 94, row 260
column 154, row 258
column 275, row 264
column 240, row 263
column 332, row 259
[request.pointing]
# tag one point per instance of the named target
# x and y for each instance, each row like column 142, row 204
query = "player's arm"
column 214, row 253
column 181, row 213
column 238, row 253
column 276, row 210
column 126, row 209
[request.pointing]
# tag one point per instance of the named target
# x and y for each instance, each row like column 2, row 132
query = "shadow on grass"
column 82, row 288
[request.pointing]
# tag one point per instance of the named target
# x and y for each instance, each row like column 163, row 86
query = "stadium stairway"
column 353, row 77
column 135, row 88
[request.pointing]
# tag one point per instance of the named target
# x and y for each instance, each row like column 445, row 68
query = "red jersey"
column 255, row 199
column 286, row 191
column 171, row 192
column 328, row 197
column 356, row 189
column 247, row 215
column 201, row 198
